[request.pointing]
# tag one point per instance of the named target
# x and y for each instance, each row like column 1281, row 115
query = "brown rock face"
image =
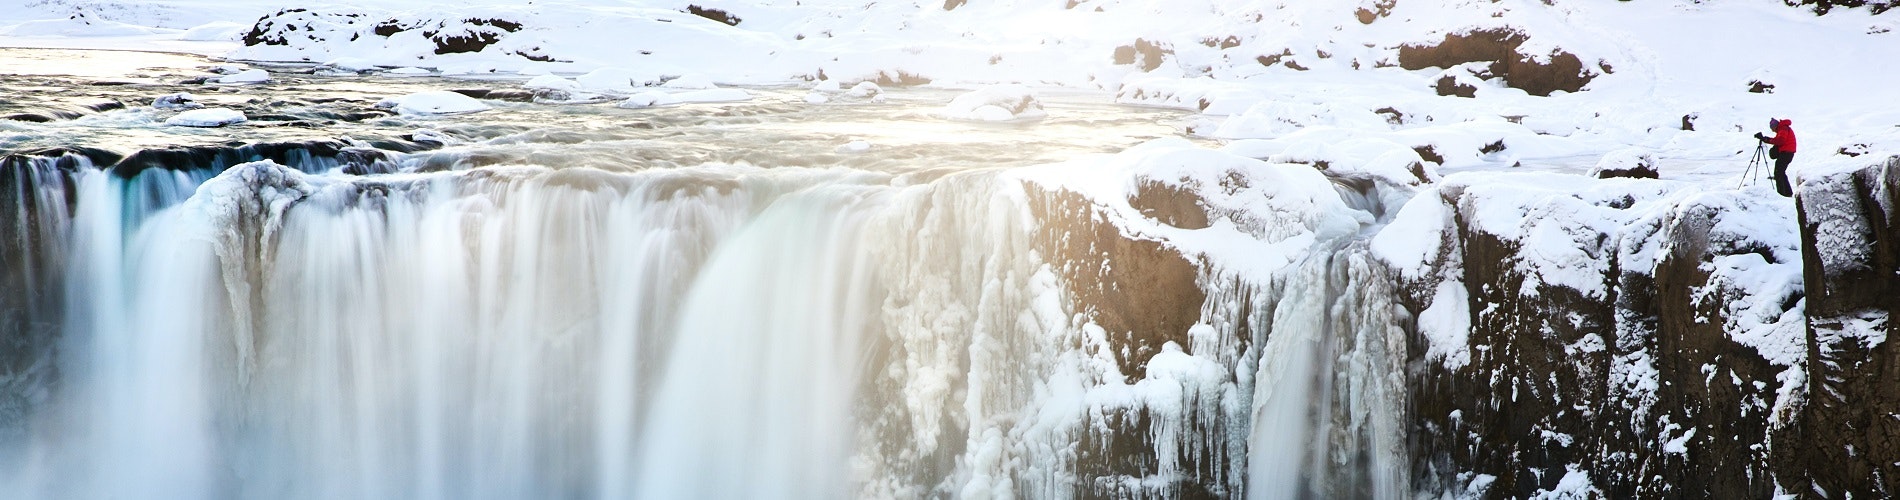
column 1847, row 440
column 1537, row 74
column 1144, row 294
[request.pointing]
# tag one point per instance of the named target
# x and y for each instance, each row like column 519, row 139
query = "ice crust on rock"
column 245, row 77
column 433, row 102
column 208, row 117
column 994, row 104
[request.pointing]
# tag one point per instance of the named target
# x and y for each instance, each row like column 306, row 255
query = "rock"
column 1847, row 438
column 208, row 117
column 713, row 14
column 1537, row 74
column 1148, row 55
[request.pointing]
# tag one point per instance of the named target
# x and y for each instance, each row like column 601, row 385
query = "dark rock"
column 474, row 35
column 1147, row 299
column 1172, row 205
column 724, row 17
column 309, row 156
column 1144, row 53
column 1757, row 86
column 1449, row 85
column 1562, row 70
column 1554, row 383
column 1392, row 115
column 1382, row 8
column 1848, row 440
column 900, row 78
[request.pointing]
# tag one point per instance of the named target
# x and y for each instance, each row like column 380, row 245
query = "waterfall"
column 718, row 331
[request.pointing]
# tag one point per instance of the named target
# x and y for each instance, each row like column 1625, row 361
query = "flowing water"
column 581, row 301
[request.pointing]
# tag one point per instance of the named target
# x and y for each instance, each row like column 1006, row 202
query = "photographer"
column 1782, row 153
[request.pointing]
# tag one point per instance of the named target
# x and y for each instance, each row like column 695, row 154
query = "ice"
column 208, row 117
column 433, row 102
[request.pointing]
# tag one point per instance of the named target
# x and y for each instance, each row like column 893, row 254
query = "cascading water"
column 712, row 331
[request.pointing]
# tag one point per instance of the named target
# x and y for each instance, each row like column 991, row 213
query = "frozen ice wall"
column 719, row 331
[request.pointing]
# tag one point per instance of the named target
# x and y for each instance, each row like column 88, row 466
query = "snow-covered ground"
column 1307, row 75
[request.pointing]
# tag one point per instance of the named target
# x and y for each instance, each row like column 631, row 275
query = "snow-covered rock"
column 181, row 100
column 208, row 117
column 407, row 71
column 865, row 89
column 219, row 31
column 434, row 102
column 552, row 82
column 650, row 99
column 691, row 81
column 995, row 103
column 618, row 80
column 1634, row 163
column 245, row 77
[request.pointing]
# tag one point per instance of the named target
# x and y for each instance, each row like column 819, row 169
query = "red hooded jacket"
column 1784, row 136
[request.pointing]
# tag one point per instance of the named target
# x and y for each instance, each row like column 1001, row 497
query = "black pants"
column 1781, row 170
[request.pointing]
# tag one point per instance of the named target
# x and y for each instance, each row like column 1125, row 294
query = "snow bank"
column 209, row 117
column 434, row 102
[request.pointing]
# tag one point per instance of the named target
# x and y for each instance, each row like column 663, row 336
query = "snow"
column 434, row 102
column 1446, row 325
column 407, row 71
column 1575, row 485
column 218, row 31
column 208, row 117
column 692, row 81
column 249, row 76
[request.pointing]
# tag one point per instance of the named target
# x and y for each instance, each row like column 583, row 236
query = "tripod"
column 1755, row 165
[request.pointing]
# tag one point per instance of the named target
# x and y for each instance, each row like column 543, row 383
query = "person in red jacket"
column 1782, row 153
